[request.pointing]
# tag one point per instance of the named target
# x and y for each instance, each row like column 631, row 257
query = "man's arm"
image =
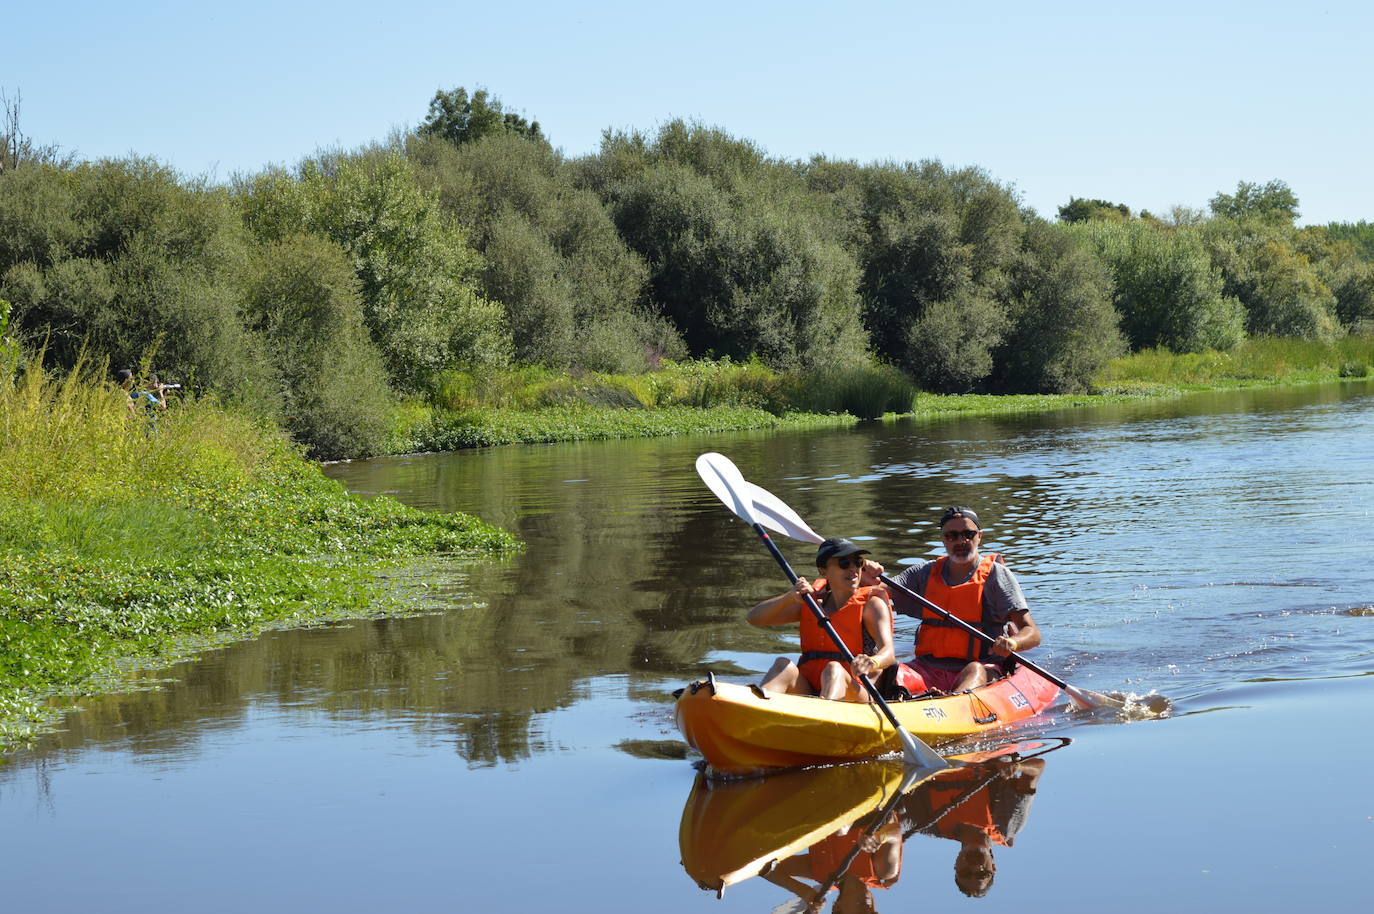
column 914, row 579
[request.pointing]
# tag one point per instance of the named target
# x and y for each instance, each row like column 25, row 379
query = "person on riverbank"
column 980, row 590
column 860, row 615
column 149, row 397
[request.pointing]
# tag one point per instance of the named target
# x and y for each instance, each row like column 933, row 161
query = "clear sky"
column 1150, row 105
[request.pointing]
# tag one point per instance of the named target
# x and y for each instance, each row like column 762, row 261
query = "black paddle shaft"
column 825, row 623
column 950, row 617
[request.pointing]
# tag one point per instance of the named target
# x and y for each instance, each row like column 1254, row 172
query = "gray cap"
column 835, row 548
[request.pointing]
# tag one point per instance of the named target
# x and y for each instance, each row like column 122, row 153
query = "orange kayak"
column 742, row 730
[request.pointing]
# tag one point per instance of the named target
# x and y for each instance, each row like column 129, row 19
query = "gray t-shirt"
column 1001, row 593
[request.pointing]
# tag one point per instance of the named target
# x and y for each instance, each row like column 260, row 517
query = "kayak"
column 742, row 730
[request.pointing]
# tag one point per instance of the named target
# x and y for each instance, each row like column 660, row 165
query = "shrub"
column 1063, row 328
column 1166, row 289
column 302, row 297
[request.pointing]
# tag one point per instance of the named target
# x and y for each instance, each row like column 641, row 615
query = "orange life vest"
column 942, row 639
column 848, row 621
column 828, row 855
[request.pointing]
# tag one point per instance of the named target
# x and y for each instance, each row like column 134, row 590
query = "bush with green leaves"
column 572, row 290
column 301, row 296
column 935, row 247
column 418, row 274
column 744, row 260
column 1263, row 266
column 127, row 258
column 1165, row 287
column 1063, row 328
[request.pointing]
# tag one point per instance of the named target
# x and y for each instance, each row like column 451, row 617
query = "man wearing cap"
column 978, row 589
column 860, row 615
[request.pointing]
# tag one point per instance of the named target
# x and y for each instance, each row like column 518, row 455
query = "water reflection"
column 843, row 828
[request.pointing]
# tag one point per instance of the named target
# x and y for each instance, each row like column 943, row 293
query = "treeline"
column 318, row 293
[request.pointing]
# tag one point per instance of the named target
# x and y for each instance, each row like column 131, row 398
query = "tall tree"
column 460, row 118
column 1271, row 202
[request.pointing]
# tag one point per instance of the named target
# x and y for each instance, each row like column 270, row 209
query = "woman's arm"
column 783, row 609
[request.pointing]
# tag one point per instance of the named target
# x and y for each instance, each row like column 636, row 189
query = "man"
column 860, row 616
column 979, row 590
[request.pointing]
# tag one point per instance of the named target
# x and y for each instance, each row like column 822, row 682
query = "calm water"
column 514, row 750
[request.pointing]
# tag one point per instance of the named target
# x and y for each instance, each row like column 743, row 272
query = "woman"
column 860, row 615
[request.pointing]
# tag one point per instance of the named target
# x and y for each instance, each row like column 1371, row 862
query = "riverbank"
column 133, row 540
column 533, row 407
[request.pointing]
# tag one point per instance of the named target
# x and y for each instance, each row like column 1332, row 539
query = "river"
column 512, row 749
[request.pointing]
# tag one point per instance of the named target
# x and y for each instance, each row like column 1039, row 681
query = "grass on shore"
column 532, row 405
column 1256, row 361
column 121, row 537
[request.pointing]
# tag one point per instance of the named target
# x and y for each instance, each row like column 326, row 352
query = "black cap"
column 960, row 511
column 835, row 548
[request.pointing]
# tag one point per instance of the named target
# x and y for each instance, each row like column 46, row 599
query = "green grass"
column 1256, row 361
column 489, row 426
column 117, row 541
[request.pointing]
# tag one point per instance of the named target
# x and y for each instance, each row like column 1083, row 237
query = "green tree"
column 573, row 291
column 1271, row 202
column 125, row 257
column 1081, row 209
column 459, row 118
column 743, row 259
column 418, row 274
column 1263, row 266
column 1165, row 287
column 1360, row 234
column 1063, row 326
column 935, row 247
column 301, row 295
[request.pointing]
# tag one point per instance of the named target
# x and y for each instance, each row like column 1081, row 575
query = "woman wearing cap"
column 860, row 615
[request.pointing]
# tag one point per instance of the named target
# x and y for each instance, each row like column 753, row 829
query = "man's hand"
column 870, row 574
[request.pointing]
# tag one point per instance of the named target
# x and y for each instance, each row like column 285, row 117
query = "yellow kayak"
column 742, row 730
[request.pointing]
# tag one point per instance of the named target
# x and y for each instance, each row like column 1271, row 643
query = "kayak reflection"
column 841, row 829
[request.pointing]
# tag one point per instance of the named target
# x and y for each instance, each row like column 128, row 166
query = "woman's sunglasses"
column 847, row 563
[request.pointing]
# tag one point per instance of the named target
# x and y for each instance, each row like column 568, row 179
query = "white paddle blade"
column 1085, row 700
column 918, row 755
column 724, row 479
column 774, row 514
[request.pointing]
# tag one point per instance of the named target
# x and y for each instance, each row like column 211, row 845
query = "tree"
column 461, row 119
column 1270, row 269
column 1166, row 289
column 572, row 289
column 1063, row 326
column 1271, row 202
column 18, row 149
column 416, row 270
column 301, row 296
column 1081, row 209
column 124, row 257
column 743, row 259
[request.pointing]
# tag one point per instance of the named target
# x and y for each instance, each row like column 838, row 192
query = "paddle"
column 724, row 479
column 773, row 512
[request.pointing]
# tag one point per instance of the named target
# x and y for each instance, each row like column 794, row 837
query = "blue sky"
column 1149, row 105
